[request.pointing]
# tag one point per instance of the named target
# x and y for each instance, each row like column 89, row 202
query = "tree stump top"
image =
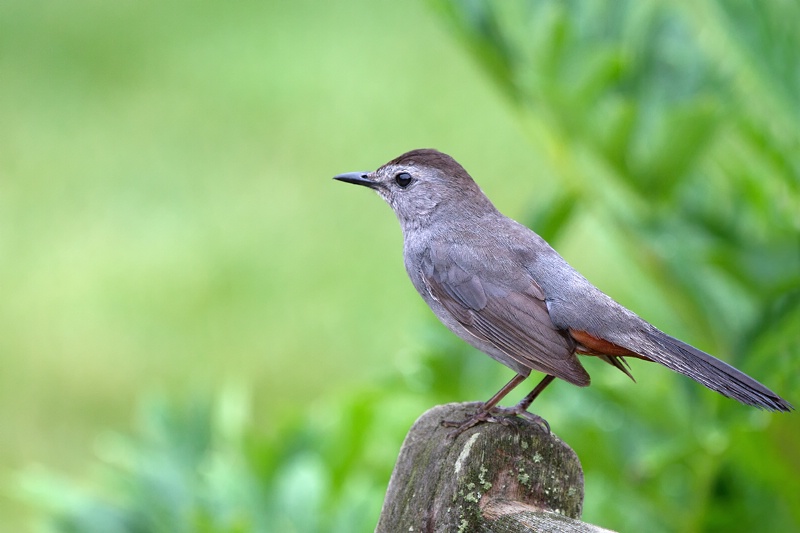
column 492, row 477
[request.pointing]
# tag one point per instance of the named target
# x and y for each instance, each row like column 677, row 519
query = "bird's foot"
column 518, row 410
column 482, row 415
column 498, row 415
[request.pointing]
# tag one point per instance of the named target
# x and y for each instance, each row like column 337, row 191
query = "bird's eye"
column 403, row 179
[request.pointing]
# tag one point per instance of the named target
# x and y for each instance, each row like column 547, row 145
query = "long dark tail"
column 710, row 371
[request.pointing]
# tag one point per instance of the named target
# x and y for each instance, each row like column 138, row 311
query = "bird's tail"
column 710, row 371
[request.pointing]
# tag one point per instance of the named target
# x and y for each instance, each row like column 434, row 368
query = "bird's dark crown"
column 428, row 157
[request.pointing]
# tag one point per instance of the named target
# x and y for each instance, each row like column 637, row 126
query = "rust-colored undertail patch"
column 590, row 345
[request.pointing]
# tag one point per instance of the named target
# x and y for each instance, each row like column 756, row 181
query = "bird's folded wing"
column 508, row 311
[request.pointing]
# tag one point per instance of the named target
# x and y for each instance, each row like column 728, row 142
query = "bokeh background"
column 201, row 331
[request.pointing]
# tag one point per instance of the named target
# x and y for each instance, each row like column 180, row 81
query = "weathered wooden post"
column 491, row 478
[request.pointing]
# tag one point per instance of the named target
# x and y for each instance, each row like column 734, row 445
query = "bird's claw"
column 497, row 415
column 509, row 412
column 480, row 416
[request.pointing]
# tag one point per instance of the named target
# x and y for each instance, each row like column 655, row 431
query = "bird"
column 503, row 289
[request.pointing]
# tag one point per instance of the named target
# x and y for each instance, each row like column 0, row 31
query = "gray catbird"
column 504, row 290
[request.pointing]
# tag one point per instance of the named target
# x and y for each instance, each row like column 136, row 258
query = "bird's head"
column 421, row 183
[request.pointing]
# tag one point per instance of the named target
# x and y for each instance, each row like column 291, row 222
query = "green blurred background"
column 201, row 331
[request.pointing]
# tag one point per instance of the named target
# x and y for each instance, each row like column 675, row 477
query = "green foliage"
column 673, row 126
column 201, row 466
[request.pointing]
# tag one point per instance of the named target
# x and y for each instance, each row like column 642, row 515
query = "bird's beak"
column 357, row 178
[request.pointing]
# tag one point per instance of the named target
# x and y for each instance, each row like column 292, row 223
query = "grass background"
column 168, row 225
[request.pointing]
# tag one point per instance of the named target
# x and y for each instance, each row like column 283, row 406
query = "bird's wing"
column 508, row 311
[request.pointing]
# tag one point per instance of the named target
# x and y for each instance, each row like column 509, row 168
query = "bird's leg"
column 485, row 410
column 521, row 409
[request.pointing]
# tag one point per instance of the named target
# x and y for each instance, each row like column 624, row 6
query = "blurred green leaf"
column 552, row 219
